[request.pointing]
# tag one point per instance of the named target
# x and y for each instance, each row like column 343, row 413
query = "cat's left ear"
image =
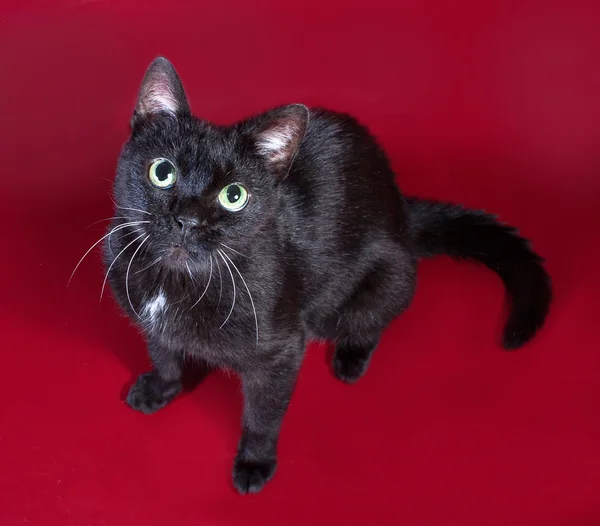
column 161, row 92
column 280, row 134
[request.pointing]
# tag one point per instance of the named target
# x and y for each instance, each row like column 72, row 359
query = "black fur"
column 327, row 248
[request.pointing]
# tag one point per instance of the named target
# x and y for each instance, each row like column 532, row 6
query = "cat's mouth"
column 177, row 254
column 176, row 257
column 179, row 257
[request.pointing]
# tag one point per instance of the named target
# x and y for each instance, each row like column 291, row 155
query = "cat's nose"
column 187, row 222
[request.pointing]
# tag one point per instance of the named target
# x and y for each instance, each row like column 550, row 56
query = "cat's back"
column 341, row 179
column 341, row 210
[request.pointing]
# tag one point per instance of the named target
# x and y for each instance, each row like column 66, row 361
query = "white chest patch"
column 155, row 307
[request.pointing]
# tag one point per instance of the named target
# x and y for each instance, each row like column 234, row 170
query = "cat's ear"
column 161, row 92
column 280, row 134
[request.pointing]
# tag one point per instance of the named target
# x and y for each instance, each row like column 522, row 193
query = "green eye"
column 162, row 173
column 233, row 197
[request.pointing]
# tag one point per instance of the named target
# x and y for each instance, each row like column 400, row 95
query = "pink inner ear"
column 158, row 97
column 276, row 143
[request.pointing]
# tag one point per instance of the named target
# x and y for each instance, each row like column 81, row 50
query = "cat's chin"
column 180, row 258
column 177, row 257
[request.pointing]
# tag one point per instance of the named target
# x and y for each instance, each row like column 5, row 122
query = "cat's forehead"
column 191, row 144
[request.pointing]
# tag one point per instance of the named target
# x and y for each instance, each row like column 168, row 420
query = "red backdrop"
column 495, row 104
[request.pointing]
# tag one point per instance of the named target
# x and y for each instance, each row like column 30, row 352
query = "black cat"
column 237, row 245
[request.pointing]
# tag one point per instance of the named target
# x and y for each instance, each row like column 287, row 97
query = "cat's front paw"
column 351, row 363
column 249, row 476
column 349, row 369
column 150, row 393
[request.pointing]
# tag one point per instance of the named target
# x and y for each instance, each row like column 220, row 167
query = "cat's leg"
column 382, row 295
column 267, row 392
column 153, row 390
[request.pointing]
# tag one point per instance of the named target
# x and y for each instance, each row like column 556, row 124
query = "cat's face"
column 199, row 187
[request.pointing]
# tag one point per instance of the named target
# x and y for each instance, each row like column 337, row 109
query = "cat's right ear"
column 161, row 92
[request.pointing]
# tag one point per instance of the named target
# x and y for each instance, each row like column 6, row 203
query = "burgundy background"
column 495, row 104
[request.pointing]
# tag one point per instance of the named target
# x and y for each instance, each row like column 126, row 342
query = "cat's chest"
column 208, row 329
column 154, row 310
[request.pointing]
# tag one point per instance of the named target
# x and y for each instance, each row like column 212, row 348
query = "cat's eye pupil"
column 234, row 193
column 163, row 171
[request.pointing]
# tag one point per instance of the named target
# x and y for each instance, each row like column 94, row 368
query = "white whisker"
column 120, row 227
column 134, row 210
column 234, row 250
column 113, row 262
column 151, row 265
column 233, row 282
column 127, row 275
column 207, row 285
column 250, row 295
column 190, row 273
column 220, row 283
column 107, row 219
column 135, row 231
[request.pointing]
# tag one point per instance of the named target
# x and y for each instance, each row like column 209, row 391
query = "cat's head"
column 200, row 186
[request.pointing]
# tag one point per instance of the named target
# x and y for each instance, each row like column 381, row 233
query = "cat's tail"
column 444, row 228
